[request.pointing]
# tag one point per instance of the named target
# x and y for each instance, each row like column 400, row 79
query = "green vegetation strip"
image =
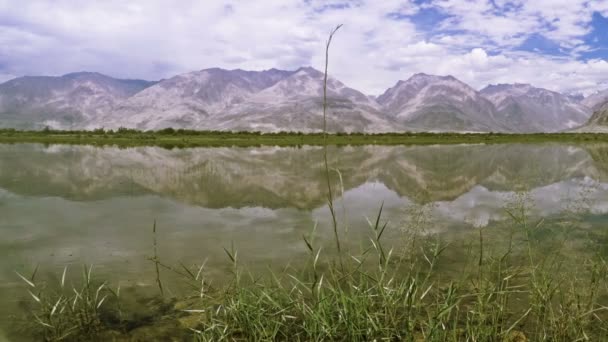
column 190, row 138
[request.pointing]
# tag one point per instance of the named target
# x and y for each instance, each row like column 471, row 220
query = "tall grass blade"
column 25, row 279
column 65, row 269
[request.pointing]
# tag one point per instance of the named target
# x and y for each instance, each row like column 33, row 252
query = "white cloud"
column 377, row 46
column 510, row 22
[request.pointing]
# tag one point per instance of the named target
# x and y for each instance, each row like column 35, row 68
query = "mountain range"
column 279, row 100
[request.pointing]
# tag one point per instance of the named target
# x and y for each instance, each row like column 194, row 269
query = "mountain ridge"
column 63, row 101
column 275, row 100
column 531, row 109
column 439, row 103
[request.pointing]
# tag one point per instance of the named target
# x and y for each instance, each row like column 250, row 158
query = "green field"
column 189, row 138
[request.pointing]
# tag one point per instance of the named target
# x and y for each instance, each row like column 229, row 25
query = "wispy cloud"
column 551, row 43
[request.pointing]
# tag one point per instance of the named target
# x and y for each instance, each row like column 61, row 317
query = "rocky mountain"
column 528, row 109
column 271, row 100
column 575, row 97
column 279, row 100
column 598, row 123
column 189, row 100
column 596, row 100
column 67, row 101
column 295, row 103
column 440, row 103
column 600, row 116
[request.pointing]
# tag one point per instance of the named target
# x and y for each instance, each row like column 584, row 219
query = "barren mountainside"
column 278, row 100
column 600, row 117
column 295, row 103
column 440, row 103
column 189, row 99
column 596, row 100
column 67, row 101
column 528, row 109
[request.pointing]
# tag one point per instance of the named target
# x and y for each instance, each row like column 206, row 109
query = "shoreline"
column 183, row 138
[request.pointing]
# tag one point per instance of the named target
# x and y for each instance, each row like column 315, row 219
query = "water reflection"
column 287, row 177
column 78, row 204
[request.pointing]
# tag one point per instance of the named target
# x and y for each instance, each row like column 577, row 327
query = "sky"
column 560, row 45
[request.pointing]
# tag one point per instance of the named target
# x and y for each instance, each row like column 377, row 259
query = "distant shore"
column 180, row 138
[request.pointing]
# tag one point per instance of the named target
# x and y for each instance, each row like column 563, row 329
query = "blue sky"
column 557, row 44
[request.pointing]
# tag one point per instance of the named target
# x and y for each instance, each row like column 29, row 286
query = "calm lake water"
column 76, row 205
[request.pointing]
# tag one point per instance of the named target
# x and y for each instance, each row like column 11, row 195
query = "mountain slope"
column 595, row 101
column 189, row 99
column 295, row 103
column 440, row 103
column 278, row 100
column 528, row 109
column 62, row 102
column 271, row 100
column 600, row 117
column 598, row 122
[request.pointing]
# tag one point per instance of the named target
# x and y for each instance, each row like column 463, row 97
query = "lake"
column 83, row 205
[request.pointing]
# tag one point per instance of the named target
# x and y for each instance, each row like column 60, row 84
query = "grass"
column 510, row 293
column 508, row 284
column 64, row 312
column 170, row 138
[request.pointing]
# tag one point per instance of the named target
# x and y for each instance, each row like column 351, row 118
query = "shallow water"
column 76, row 205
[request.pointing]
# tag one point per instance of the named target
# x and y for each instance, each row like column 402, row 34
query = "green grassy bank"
column 188, row 138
